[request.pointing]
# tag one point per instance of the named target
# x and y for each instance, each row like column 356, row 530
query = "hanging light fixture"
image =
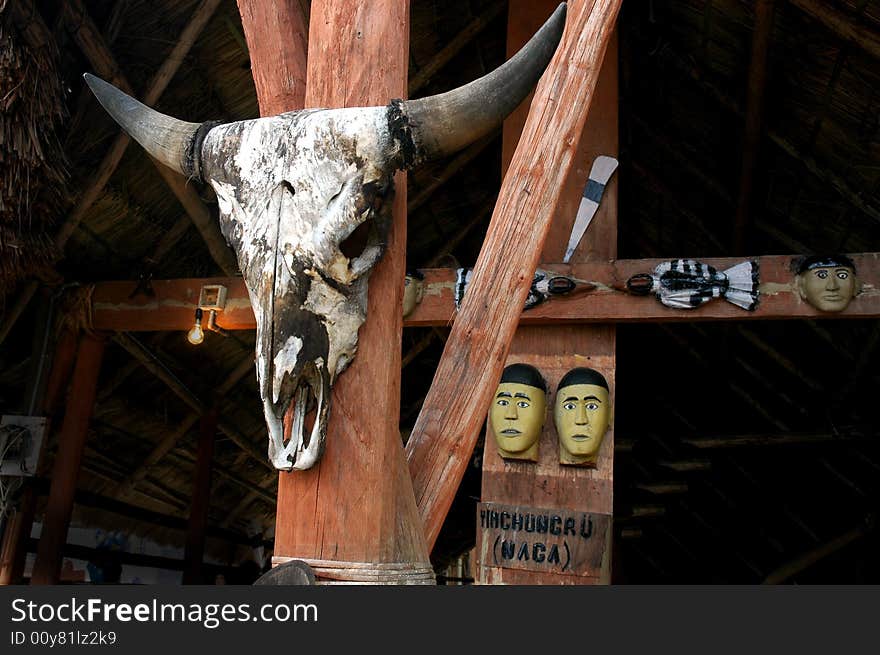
column 196, row 335
column 212, row 298
column 212, row 323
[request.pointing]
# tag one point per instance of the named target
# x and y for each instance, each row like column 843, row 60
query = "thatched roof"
column 33, row 165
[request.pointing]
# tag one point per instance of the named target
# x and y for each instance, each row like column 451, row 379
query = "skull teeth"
column 294, row 417
column 294, row 444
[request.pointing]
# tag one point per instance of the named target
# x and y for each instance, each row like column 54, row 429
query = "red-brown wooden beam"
column 194, row 549
column 18, row 530
column 353, row 516
column 175, row 301
column 71, row 443
column 754, row 120
column 277, row 35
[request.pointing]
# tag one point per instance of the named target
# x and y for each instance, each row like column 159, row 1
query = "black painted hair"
column 524, row 374
column 583, row 375
column 415, row 273
column 825, row 261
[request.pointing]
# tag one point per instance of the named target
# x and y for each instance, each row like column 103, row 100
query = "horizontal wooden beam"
column 805, row 561
column 172, row 307
column 780, row 439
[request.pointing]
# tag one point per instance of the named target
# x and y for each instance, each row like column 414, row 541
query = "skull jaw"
column 302, row 448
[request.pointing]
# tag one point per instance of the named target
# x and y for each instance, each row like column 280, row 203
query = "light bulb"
column 196, row 335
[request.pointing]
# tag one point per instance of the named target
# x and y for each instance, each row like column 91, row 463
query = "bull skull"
column 292, row 188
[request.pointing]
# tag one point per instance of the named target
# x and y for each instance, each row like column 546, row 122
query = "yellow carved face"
column 517, row 417
column 828, row 289
column 581, row 413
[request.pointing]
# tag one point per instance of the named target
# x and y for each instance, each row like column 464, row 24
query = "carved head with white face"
column 292, row 190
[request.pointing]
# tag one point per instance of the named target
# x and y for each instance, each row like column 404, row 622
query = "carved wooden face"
column 581, row 413
column 517, row 417
column 828, row 288
column 291, row 190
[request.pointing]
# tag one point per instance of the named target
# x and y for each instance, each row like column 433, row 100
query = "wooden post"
column 583, row 495
column 454, row 410
column 277, row 34
column 754, row 120
column 353, row 516
column 18, row 530
column 72, row 441
column 194, row 549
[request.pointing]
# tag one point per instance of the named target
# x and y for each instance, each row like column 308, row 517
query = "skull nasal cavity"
column 357, row 241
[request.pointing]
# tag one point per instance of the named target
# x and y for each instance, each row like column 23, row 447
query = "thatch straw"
column 75, row 310
column 32, row 162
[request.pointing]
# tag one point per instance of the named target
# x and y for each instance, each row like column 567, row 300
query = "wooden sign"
column 558, row 541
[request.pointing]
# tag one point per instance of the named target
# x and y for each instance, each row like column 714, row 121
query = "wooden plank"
column 608, row 302
column 194, row 549
column 846, row 436
column 18, row 530
column 803, row 562
column 754, row 120
column 356, row 507
column 71, row 443
column 277, row 64
column 117, row 307
column 450, row 420
column 579, row 550
column 175, row 301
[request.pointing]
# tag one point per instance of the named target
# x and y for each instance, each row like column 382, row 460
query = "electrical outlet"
column 212, row 296
column 20, row 449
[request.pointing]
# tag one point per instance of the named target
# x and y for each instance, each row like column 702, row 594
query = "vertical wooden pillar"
column 71, row 443
column 754, row 120
column 353, row 516
column 277, row 37
column 194, row 550
column 545, row 487
column 18, row 530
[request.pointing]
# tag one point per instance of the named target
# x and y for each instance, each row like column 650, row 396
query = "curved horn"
column 444, row 123
column 173, row 142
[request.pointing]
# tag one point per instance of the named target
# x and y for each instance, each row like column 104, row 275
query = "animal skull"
column 292, row 188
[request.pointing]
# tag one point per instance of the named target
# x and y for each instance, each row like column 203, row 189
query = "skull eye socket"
column 356, row 242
